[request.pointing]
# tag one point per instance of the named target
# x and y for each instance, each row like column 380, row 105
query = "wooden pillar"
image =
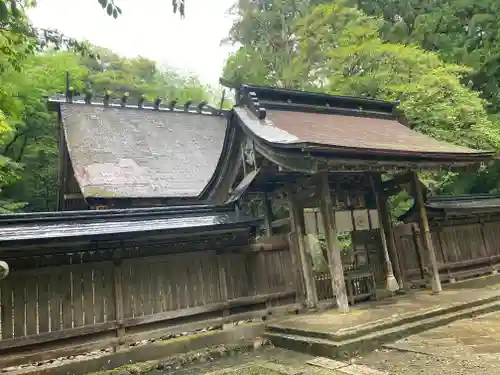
column 296, row 226
column 268, row 216
column 391, row 282
column 425, row 233
column 334, row 258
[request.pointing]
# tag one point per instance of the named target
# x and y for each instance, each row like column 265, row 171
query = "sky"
column 148, row 28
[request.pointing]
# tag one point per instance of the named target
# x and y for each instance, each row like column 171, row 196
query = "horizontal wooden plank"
column 57, row 351
column 58, row 335
column 220, row 306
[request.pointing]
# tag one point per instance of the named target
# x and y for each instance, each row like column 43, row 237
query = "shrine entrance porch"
column 369, row 325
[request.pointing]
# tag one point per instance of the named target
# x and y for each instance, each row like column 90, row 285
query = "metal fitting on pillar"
column 4, row 270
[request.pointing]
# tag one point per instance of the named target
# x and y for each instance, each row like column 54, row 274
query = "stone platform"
column 372, row 324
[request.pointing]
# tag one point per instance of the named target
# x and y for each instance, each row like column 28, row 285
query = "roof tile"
column 141, row 153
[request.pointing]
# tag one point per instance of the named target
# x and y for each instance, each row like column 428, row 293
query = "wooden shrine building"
column 83, row 279
column 318, row 151
column 278, row 147
column 116, row 155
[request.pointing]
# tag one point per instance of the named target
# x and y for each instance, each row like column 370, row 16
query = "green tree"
column 464, row 32
column 31, row 142
column 337, row 50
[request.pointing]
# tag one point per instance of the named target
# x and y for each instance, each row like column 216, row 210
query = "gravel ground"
column 468, row 346
column 408, row 363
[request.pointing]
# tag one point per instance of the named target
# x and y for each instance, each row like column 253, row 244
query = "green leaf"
column 118, row 9
column 103, row 3
column 109, row 9
column 4, row 12
column 115, row 13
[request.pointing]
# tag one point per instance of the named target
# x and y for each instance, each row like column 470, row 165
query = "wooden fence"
column 462, row 250
column 70, row 309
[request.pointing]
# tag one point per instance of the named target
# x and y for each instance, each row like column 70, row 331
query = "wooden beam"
column 334, row 259
column 268, row 216
column 391, row 282
column 425, row 233
column 305, row 259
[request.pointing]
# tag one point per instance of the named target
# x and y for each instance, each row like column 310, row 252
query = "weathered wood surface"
column 363, row 266
column 425, row 234
column 461, row 250
column 52, row 308
column 333, row 247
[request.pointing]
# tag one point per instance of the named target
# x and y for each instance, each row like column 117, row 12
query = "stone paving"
column 469, row 346
column 380, row 312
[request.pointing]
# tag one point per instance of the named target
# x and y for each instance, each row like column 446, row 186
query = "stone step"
column 369, row 341
column 381, row 324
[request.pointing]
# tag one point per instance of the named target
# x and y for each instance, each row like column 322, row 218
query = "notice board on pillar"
column 345, row 221
column 360, row 219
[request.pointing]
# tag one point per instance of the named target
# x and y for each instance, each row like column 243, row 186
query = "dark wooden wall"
column 464, row 248
column 77, row 307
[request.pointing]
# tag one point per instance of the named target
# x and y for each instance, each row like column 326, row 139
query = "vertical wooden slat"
column 174, row 280
column 221, row 265
column 118, row 300
column 99, row 295
column 156, row 287
column 108, row 286
column 169, row 284
column 185, row 294
column 43, row 303
column 138, row 268
column 147, row 290
column 77, row 281
column 128, row 290
column 55, row 302
column 190, row 285
column 204, row 287
column 251, row 267
column 19, row 307
column 67, row 295
column 7, row 310
column 88, row 294
column 31, row 306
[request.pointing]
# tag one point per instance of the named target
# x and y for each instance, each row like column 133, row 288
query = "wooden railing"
column 461, row 250
column 69, row 309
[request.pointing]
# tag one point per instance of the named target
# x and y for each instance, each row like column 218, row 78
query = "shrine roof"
column 123, row 151
column 60, row 226
column 345, row 126
column 459, row 205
